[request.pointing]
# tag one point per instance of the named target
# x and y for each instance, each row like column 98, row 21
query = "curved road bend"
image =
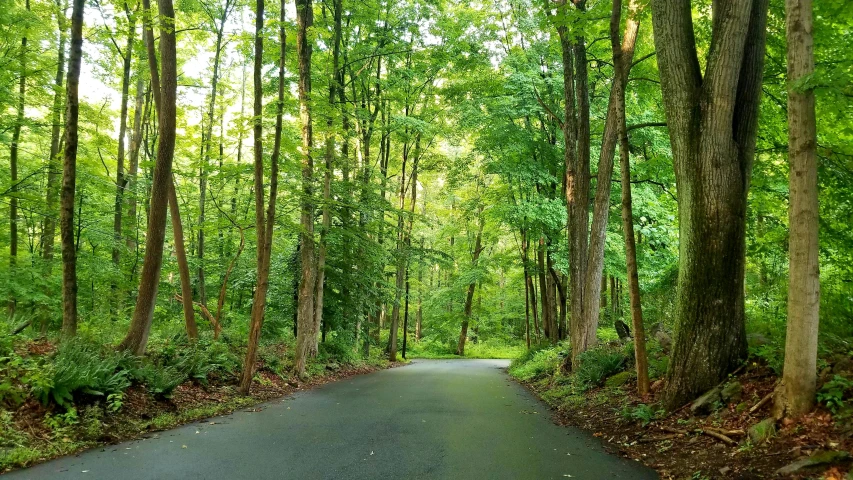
column 439, row 419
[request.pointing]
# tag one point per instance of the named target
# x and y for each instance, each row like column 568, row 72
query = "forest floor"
column 724, row 442
column 41, row 433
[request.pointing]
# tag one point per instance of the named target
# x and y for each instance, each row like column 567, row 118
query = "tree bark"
column 712, row 126
column 622, row 62
column 121, row 181
column 13, row 164
column 601, row 204
column 469, row 297
column 53, row 163
column 69, row 175
column 165, row 94
column 796, row 393
column 307, row 332
column 265, row 221
column 183, row 265
column 140, row 113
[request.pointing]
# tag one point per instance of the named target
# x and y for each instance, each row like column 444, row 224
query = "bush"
column 598, row 364
column 535, row 364
column 335, row 350
column 160, row 381
column 79, row 368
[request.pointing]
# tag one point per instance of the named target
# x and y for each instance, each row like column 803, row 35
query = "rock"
column 707, row 402
column 333, row 367
column 842, row 364
column 732, row 392
column 762, row 431
column 820, row 457
column 664, row 340
column 741, row 407
column 653, row 330
column 657, row 385
column 756, row 340
column 619, row 379
column 725, row 470
column 622, row 330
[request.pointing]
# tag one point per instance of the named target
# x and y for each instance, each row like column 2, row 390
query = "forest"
column 243, row 197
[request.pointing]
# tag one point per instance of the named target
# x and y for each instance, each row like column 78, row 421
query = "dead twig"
column 764, row 401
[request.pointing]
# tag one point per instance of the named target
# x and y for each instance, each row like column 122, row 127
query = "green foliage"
column 536, row 364
column 642, row 413
column 79, row 369
column 159, row 380
column 599, row 363
column 835, row 393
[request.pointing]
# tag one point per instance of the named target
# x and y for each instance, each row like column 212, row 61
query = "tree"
column 712, row 121
column 307, row 331
column 621, row 62
column 69, row 175
column 13, row 160
column 265, row 223
column 796, row 393
column 140, row 325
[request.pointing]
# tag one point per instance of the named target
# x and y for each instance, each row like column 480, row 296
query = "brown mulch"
column 674, row 448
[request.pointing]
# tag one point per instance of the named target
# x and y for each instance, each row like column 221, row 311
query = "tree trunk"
column 53, row 163
column 164, row 88
column 207, row 140
column 140, row 113
column 796, row 394
column 265, row 222
column 69, row 176
column 601, row 204
column 13, row 165
column 307, row 332
column 712, row 126
column 327, row 179
column 469, row 297
column 121, row 181
column 183, row 265
column 622, row 62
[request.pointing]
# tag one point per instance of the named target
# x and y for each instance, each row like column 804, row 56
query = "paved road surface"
column 441, row 419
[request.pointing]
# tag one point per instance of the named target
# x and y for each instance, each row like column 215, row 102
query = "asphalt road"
column 441, row 419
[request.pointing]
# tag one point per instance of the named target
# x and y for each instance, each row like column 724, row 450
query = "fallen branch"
column 674, row 430
column 718, row 436
column 728, row 433
column 763, row 402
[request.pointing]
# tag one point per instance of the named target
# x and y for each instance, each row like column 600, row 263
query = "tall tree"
column 121, row 181
column 621, row 62
column 265, row 222
column 140, row 325
column 796, row 393
column 13, row 159
column 712, row 123
column 217, row 17
column 69, row 175
column 307, row 332
column 53, row 163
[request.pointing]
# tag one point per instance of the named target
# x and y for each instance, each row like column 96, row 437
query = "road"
column 438, row 419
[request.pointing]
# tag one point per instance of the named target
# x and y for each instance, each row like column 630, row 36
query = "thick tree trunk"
column 69, row 176
column 307, row 332
column 183, row 265
column 796, row 394
column 712, row 125
column 265, row 222
column 13, row 164
column 53, row 163
column 165, row 89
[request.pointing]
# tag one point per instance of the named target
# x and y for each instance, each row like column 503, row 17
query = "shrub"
column 335, row 350
column 536, row 363
column 597, row 364
column 79, row 368
column 159, row 380
column 834, row 392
